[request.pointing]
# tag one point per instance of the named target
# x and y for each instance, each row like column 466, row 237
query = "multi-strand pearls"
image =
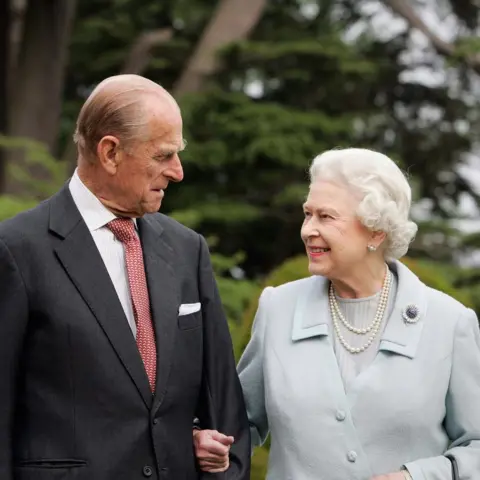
column 373, row 328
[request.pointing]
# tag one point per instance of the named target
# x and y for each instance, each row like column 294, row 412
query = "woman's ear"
column 377, row 238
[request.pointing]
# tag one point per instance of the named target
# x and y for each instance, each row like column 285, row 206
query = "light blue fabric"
column 418, row 399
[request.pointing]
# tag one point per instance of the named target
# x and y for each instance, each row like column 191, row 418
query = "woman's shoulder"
column 445, row 305
column 438, row 306
column 291, row 290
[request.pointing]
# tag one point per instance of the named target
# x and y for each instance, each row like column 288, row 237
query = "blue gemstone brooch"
column 411, row 313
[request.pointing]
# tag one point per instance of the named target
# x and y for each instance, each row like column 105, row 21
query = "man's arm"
column 13, row 321
column 221, row 406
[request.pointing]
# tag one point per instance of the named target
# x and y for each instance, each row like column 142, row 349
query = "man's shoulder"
column 173, row 228
column 27, row 223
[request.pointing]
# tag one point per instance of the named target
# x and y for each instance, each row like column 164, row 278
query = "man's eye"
column 163, row 158
column 307, row 214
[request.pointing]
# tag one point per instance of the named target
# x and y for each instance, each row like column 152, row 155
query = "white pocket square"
column 188, row 308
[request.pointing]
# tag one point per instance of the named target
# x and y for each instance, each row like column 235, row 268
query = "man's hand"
column 212, row 450
column 390, row 476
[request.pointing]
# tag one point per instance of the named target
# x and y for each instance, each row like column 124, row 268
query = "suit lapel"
column 159, row 258
column 80, row 258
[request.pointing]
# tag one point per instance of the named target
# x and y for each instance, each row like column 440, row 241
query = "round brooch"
column 411, row 313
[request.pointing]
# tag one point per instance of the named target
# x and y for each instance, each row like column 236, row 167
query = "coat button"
column 155, row 421
column 352, row 456
column 340, row 415
column 147, row 471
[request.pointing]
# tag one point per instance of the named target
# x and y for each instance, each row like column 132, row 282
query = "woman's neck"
column 363, row 282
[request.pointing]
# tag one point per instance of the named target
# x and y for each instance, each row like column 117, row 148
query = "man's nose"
column 175, row 170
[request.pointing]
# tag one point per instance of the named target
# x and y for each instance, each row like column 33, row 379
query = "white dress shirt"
column 112, row 251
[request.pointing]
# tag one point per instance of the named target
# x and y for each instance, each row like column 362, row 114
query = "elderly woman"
column 360, row 371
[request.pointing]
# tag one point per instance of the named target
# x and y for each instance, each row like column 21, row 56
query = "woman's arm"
column 462, row 421
column 212, row 447
column 250, row 372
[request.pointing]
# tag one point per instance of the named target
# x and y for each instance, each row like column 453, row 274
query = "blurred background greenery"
column 264, row 86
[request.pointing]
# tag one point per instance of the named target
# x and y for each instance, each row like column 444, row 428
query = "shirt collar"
column 92, row 210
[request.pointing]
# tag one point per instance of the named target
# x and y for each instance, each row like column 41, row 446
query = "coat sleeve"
column 221, row 406
column 462, row 421
column 13, row 321
column 250, row 370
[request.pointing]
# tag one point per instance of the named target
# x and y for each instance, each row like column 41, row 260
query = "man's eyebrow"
column 170, row 149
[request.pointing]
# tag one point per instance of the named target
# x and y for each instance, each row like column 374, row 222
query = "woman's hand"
column 212, row 450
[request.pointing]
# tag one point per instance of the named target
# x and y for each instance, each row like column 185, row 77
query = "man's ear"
column 108, row 153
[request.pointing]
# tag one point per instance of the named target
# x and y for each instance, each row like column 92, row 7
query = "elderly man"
column 113, row 335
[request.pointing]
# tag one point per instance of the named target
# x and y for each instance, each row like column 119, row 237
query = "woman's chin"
column 315, row 268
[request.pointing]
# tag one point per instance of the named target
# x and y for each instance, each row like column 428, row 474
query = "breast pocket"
column 190, row 321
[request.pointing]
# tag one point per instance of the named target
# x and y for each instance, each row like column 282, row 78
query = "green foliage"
column 51, row 173
column 259, row 464
column 439, row 276
column 235, row 293
column 248, row 153
column 11, row 206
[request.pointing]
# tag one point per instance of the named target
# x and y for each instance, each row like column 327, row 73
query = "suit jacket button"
column 147, row 471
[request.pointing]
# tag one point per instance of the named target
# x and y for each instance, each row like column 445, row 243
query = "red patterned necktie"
column 124, row 231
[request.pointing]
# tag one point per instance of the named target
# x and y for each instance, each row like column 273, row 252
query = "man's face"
column 145, row 168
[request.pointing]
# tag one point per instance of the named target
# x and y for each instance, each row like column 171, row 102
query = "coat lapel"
column 401, row 337
column 159, row 258
column 80, row 258
column 311, row 315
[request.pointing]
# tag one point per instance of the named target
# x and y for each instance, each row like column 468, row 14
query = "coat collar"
column 312, row 312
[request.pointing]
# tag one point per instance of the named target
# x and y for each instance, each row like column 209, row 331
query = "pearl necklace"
column 374, row 327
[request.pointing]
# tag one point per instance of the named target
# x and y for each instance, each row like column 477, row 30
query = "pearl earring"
column 371, row 248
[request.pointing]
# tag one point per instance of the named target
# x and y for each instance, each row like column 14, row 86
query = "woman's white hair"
column 385, row 195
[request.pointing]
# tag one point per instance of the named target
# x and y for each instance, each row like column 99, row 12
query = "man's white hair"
column 384, row 193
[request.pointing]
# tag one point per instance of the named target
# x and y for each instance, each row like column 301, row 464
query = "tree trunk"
column 4, row 69
column 17, row 22
column 233, row 20
column 35, row 108
column 140, row 52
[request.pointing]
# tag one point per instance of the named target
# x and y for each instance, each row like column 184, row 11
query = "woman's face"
column 335, row 240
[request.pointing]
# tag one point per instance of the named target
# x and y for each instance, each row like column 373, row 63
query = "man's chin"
column 152, row 207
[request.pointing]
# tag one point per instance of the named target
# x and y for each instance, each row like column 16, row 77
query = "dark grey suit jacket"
column 75, row 402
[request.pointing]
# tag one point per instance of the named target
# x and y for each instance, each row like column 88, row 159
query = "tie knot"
column 123, row 229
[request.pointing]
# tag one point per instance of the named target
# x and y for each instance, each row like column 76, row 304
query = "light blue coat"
column 418, row 399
